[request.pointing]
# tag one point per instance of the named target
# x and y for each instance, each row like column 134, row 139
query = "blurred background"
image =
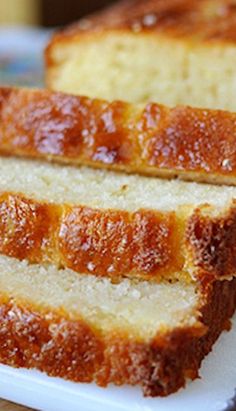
column 26, row 26
column 46, row 13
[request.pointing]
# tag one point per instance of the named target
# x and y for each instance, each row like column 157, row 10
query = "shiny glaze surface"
column 141, row 244
column 55, row 124
column 189, row 139
column 27, row 227
column 193, row 144
column 144, row 244
column 212, row 242
column 196, row 20
column 50, row 341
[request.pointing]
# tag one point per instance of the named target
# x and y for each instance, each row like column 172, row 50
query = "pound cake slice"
column 192, row 144
column 170, row 51
column 114, row 224
column 85, row 328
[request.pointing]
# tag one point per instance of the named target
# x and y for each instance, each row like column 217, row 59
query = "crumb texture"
column 104, row 223
column 138, row 308
column 103, row 189
column 46, row 327
column 178, row 52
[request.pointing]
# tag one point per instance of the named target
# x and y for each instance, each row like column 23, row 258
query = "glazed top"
column 196, row 20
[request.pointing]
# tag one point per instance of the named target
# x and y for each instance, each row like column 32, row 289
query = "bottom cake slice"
column 85, row 328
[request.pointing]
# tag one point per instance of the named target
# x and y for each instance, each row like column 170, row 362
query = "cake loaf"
column 170, row 51
column 184, row 142
column 116, row 225
column 84, row 328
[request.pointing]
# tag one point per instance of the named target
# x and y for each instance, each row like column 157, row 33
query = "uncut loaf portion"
column 183, row 142
column 170, row 51
column 84, row 328
column 114, row 224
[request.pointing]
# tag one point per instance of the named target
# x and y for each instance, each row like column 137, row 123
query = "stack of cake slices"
column 118, row 220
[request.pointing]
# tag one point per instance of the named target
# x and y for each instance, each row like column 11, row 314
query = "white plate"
column 210, row 393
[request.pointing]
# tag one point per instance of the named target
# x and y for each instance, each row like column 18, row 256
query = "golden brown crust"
column 52, row 342
column 192, row 20
column 119, row 243
column 193, row 144
column 144, row 244
column 27, row 228
column 211, row 241
column 112, row 243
